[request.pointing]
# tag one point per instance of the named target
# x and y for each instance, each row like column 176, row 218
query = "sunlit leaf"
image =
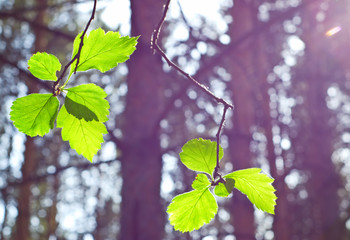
column 224, row 189
column 34, row 114
column 85, row 137
column 257, row 186
column 191, row 210
column 201, row 181
column 200, row 155
column 87, row 101
column 102, row 51
column 44, row 66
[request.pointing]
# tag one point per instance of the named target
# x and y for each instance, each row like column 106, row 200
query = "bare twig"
column 55, row 32
column 156, row 47
column 38, row 178
column 55, row 89
column 217, row 167
column 228, row 50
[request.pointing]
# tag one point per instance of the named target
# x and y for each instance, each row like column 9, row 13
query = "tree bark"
column 315, row 141
column 30, row 155
column 241, row 86
column 142, row 214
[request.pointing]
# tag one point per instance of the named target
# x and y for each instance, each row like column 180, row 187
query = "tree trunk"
column 24, row 196
column 316, row 134
column 241, row 85
column 30, row 156
column 142, row 214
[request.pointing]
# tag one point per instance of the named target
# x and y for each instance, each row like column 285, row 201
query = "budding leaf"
column 201, row 182
column 224, row 189
column 191, row 210
column 102, row 51
column 85, row 137
column 257, row 186
column 87, row 101
column 44, row 66
column 34, row 114
column 200, row 155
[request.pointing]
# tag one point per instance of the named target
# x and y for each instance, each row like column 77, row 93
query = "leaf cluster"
column 191, row 210
column 85, row 109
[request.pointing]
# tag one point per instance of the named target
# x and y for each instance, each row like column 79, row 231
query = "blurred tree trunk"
column 281, row 222
column 25, row 194
column 317, row 130
column 142, row 214
column 263, row 64
column 317, row 147
column 30, row 154
column 241, row 86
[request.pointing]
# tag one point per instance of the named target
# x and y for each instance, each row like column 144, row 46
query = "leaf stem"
column 55, row 89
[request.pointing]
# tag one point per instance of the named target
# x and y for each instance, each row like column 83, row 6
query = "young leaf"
column 191, row 210
column 44, row 66
column 102, row 51
column 200, row 155
column 87, row 101
column 34, row 114
column 220, row 190
column 257, row 186
column 79, row 110
column 223, row 190
column 85, row 137
column 201, row 181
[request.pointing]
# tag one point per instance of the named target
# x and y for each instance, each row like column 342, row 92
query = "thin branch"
column 184, row 17
column 260, row 28
column 55, row 89
column 217, row 167
column 33, row 23
column 155, row 46
column 38, row 178
column 229, row 50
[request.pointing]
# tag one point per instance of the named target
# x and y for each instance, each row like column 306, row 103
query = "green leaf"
column 85, row 137
column 220, row 190
column 87, row 101
column 44, row 66
column 229, row 185
column 201, row 181
column 79, row 110
column 102, row 51
column 223, row 190
column 34, row 114
column 200, row 155
column 257, row 186
column 191, row 210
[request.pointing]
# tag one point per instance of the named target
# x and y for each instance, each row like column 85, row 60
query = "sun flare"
column 333, row 31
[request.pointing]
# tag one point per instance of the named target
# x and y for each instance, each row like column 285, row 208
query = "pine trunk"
column 30, row 156
column 142, row 214
column 242, row 88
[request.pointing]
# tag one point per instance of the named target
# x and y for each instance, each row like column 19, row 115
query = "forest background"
column 287, row 75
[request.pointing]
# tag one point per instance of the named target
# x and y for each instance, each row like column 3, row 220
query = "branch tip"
column 55, row 90
column 156, row 47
